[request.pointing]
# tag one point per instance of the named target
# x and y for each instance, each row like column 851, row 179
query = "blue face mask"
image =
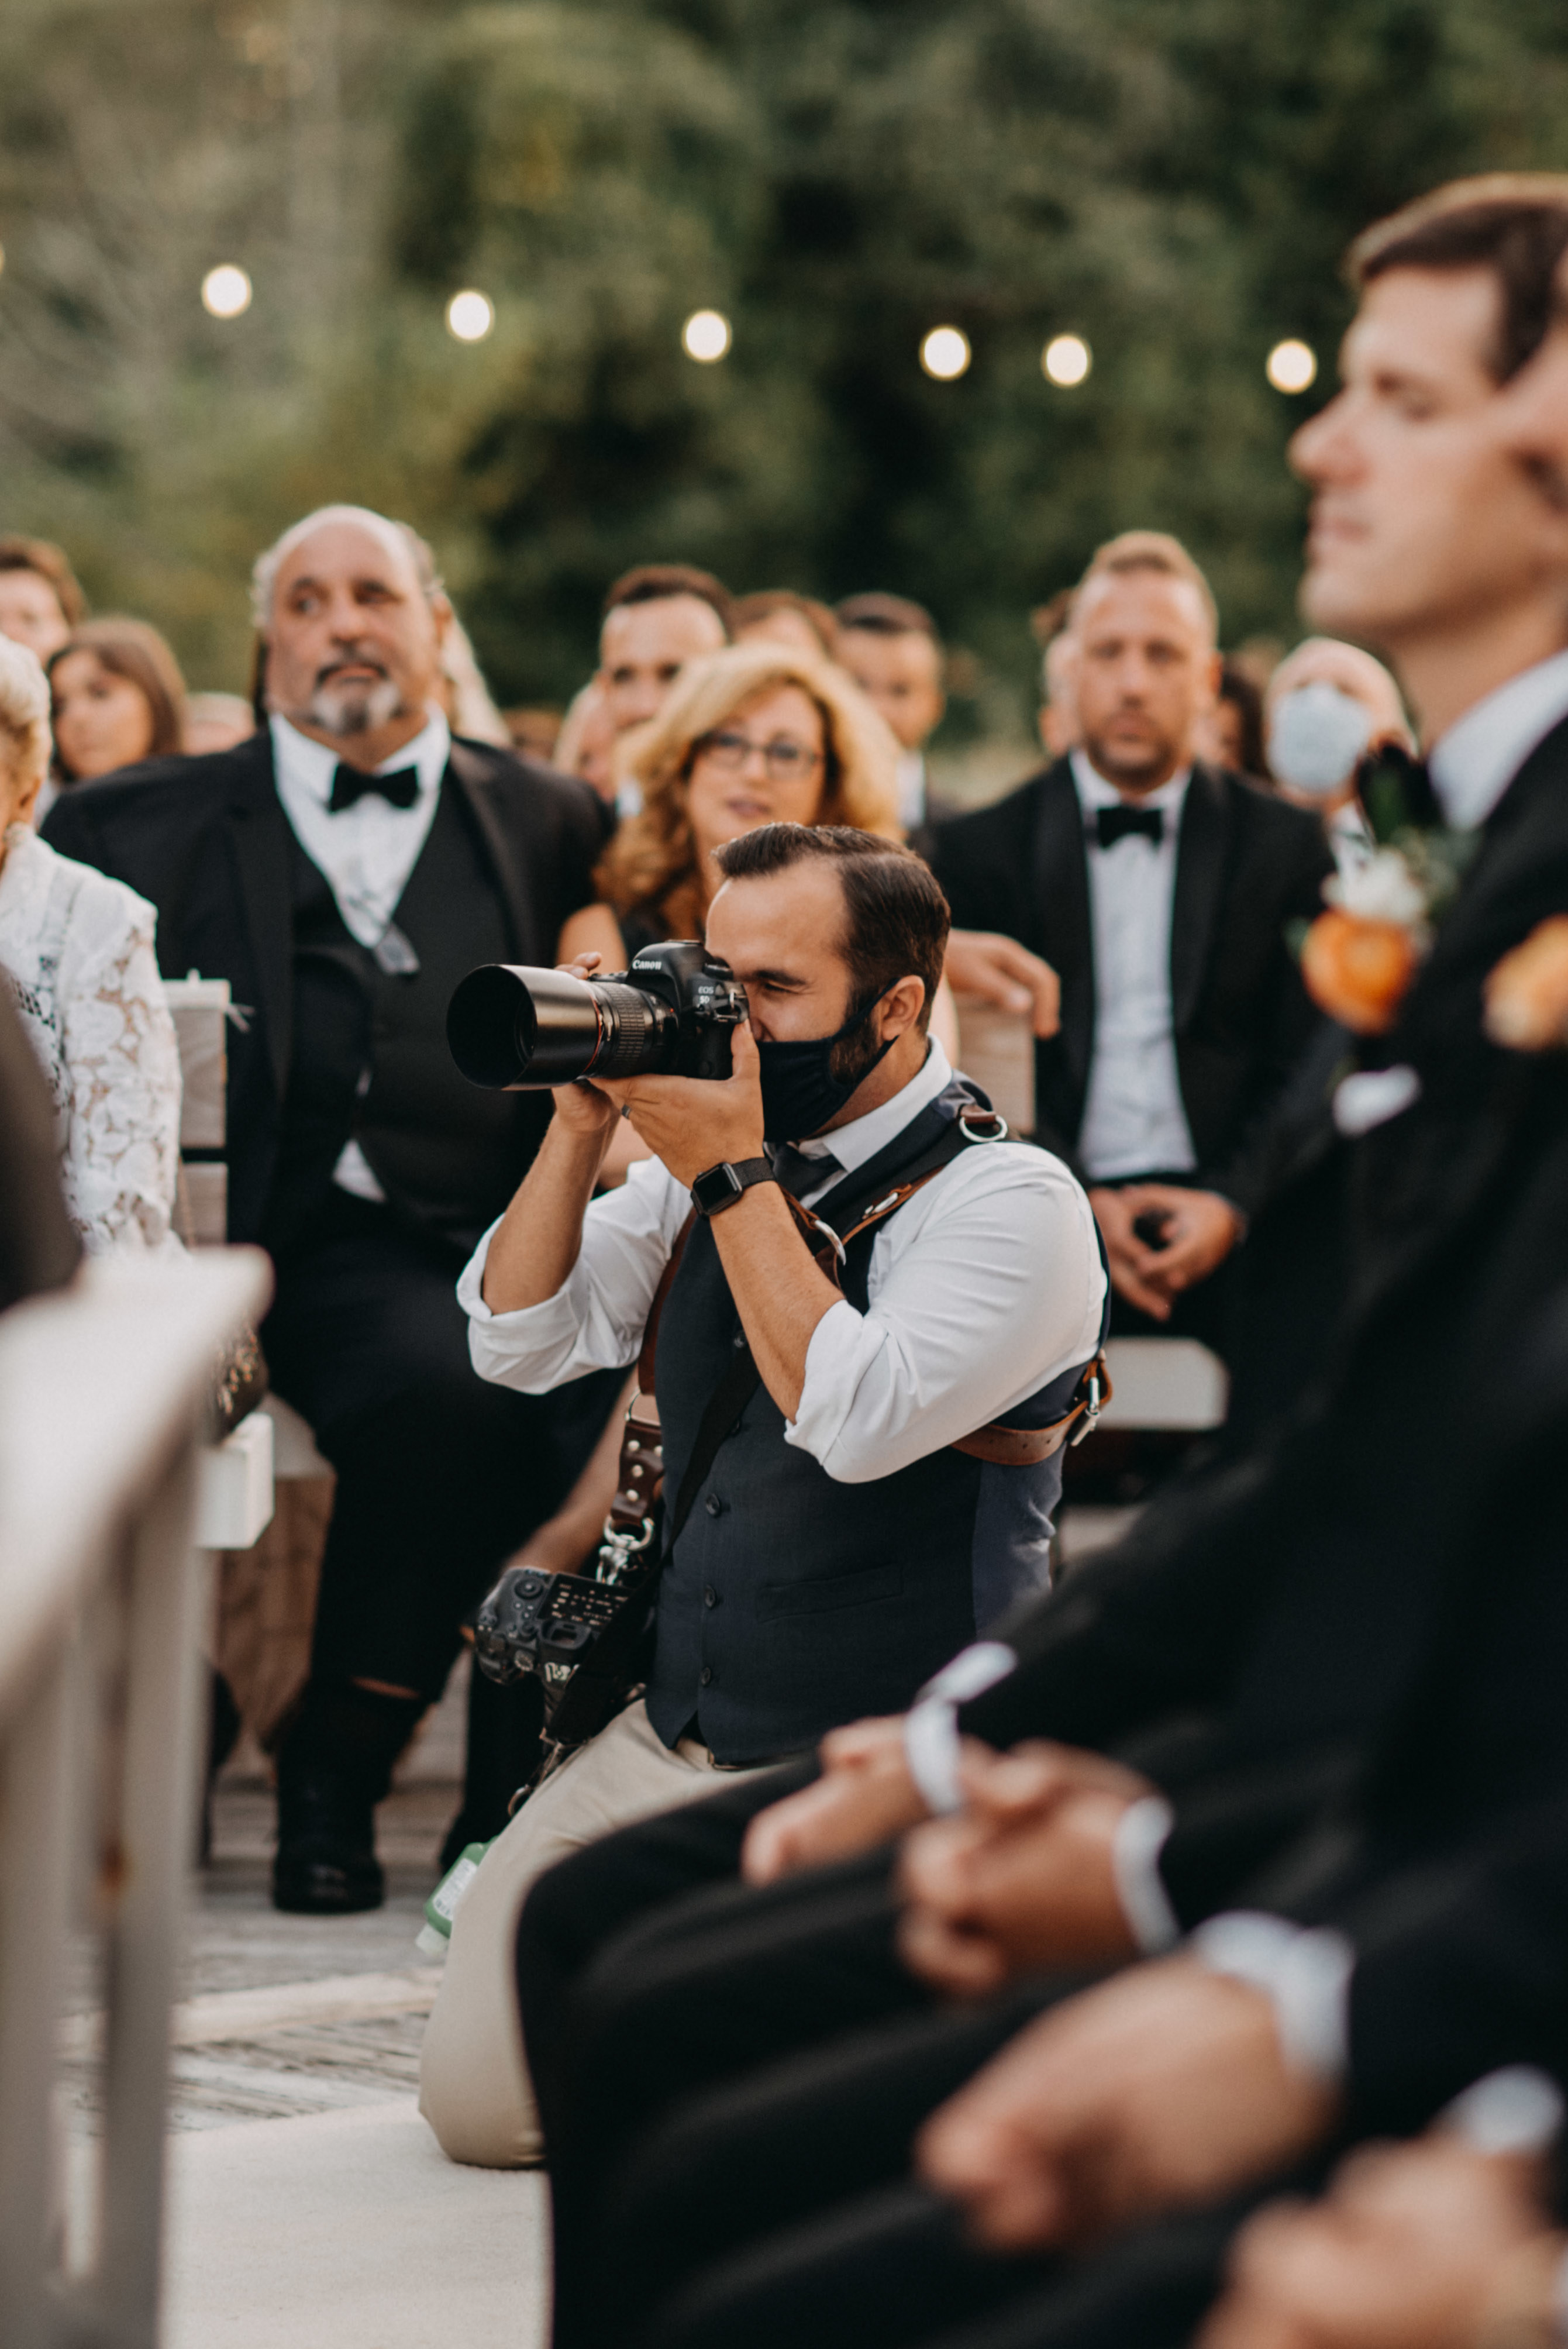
column 799, row 1091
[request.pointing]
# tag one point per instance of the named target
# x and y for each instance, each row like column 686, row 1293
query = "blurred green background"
column 1174, row 180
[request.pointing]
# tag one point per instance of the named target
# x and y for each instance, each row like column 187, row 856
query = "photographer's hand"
column 693, row 1124
column 779, row 1290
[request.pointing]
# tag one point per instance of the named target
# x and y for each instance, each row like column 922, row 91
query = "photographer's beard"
column 351, row 705
column 807, row 1081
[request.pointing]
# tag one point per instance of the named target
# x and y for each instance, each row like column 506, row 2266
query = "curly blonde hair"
column 652, row 863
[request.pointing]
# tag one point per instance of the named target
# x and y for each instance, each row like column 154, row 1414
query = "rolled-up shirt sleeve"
column 596, row 1317
column 994, row 1288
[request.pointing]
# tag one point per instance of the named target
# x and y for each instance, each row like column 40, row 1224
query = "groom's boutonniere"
column 1360, row 956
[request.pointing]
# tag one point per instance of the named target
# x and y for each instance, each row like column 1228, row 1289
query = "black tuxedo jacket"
column 207, row 840
column 1246, row 866
column 1258, row 1638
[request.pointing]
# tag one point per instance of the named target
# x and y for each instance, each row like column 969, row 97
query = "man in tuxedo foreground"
column 1161, row 890
column 342, row 870
column 1300, row 1717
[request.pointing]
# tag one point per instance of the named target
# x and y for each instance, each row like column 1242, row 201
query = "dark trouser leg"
column 893, row 2272
column 707, row 1989
column 585, row 1902
column 768, row 2151
column 439, row 1478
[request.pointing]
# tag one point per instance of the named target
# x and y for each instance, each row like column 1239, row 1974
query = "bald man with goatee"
column 342, row 870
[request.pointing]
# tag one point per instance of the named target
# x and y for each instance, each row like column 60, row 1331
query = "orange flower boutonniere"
column 1358, row 958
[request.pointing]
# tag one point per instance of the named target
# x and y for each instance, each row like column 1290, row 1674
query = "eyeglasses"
column 786, row 761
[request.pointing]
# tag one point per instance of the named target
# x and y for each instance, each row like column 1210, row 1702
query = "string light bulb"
column 705, row 337
column 944, row 354
column 1291, row 366
column 470, row 315
column 226, row 291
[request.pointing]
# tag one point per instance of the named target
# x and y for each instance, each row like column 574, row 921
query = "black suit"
column 1246, row 866
column 439, row 1475
column 1267, row 1644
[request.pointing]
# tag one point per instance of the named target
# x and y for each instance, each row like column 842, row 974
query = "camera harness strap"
column 629, row 1527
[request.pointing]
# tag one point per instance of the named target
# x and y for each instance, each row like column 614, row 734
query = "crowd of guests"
column 928, row 1953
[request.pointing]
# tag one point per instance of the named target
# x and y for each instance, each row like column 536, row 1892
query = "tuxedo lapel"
column 467, row 771
column 1061, row 869
column 259, row 848
column 1201, row 858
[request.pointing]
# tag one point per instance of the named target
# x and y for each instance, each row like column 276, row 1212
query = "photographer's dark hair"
column 897, row 917
column 1513, row 223
column 652, row 583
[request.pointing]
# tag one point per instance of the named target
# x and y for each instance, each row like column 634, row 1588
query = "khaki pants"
column 474, row 2087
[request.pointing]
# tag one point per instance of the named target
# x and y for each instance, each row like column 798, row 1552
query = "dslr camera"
column 510, row 1027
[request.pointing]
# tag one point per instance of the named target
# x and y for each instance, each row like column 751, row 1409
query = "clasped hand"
column 1022, row 1876
column 690, row 1123
column 1199, row 1228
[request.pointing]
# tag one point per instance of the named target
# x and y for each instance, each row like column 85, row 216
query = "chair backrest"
column 201, row 1009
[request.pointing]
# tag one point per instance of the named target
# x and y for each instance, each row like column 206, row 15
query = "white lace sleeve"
column 122, row 1109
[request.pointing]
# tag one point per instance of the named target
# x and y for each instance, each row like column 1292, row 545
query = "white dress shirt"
column 985, row 1285
column 910, row 784
column 367, row 853
column 1474, row 762
column 1133, row 1120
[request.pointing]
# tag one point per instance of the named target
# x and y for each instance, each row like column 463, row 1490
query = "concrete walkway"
column 309, row 2207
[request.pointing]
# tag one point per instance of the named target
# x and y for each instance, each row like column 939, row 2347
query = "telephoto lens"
column 514, row 1028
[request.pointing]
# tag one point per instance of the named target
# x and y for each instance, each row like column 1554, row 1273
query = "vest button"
column 706, row 1675
column 709, row 1595
column 713, row 1506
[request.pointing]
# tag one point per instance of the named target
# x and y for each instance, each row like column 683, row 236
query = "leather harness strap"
column 641, row 1476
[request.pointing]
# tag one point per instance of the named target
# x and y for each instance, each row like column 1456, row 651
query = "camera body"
column 519, row 1029
column 585, row 1638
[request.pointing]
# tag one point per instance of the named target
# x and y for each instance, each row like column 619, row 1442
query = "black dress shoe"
column 335, row 1765
column 326, row 1864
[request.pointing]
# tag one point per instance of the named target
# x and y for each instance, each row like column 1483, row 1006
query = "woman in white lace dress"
column 77, row 950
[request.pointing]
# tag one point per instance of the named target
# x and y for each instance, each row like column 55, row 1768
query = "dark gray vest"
column 792, row 1603
column 369, row 1059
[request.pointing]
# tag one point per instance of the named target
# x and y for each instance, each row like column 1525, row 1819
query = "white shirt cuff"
column 1141, row 1836
column 931, row 1726
column 1303, row 1972
column 1516, row 2110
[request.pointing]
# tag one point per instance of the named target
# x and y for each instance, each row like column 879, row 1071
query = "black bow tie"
column 350, row 784
column 1114, row 824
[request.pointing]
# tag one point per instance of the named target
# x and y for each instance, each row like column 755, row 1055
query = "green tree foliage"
column 1175, row 180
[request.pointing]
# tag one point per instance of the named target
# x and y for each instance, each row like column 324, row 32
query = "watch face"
column 716, row 1188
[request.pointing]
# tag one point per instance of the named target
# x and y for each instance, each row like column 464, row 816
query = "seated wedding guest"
column 657, row 618
column 1327, row 706
column 78, row 950
column 585, row 743
column 465, row 696
column 118, row 698
column 754, row 734
column 778, row 616
column 1058, row 720
column 1161, row 891
column 1396, row 1839
column 892, row 649
column 342, row 870
column 40, row 600
column 216, row 722
column 1445, row 2244
column 845, row 1515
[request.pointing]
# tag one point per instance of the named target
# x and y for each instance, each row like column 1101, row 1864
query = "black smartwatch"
column 719, row 1187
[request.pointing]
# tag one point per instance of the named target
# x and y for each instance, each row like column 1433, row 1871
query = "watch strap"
column 718, row 1187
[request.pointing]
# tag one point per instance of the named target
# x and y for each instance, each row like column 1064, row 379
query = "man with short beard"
column 342, row 870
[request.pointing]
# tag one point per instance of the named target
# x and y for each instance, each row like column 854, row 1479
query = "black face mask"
column 800, row 1090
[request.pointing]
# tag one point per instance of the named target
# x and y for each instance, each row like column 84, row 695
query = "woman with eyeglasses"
column 755, row 734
